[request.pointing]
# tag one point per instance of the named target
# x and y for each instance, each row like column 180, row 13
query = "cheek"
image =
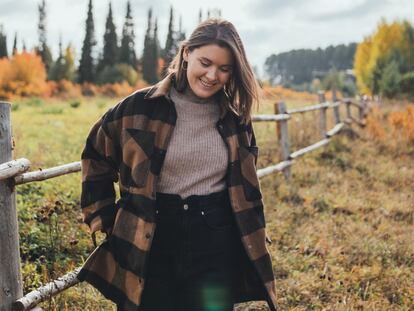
column 224, row 77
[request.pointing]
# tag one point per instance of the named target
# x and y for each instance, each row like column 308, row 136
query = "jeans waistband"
column 174, row 201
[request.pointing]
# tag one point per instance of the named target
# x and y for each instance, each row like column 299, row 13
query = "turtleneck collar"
column 190, row 96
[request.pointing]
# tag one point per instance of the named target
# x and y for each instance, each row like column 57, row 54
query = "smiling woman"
column 208, row 69
column 188, row 233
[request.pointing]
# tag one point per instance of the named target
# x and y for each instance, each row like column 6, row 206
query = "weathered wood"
column 274, row 168
column 336, row 107
column 335, row 130
column 361, row 110
column 13, row 168
column 310, row 148
column 357, row 121
column 270, row 117
column 357, row 105
column 33, row 298
column 308, row 108
column 283, row 137
column 48, row 173
column 10, row 277
column 322, row 115
column 347, row 102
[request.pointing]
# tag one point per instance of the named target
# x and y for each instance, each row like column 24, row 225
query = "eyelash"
column 206, row 65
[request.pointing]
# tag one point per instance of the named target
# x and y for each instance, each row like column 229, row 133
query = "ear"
column 185, row 54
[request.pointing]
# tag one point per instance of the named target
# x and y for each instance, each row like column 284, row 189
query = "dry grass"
column 342, row 229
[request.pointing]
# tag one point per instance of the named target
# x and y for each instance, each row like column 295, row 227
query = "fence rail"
column 14, row 172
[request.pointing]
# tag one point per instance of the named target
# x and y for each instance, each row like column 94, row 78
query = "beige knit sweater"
column 197, row 156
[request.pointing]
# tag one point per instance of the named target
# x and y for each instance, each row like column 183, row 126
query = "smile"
column 206, row 84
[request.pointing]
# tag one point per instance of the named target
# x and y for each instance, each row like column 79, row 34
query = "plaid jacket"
column 128, row 144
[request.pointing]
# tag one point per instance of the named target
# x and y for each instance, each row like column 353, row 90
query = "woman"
column 187, row 233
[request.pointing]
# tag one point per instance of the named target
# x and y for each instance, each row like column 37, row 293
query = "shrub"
column 52, row 110
column 75, row 103
column 24, row 75
column 117, row 74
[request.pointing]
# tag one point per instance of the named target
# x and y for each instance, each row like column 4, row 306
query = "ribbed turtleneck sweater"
column 197, row 156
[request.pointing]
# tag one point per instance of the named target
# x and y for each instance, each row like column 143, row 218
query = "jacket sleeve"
column 253, row 145
column 252, row 141
column 99, row 172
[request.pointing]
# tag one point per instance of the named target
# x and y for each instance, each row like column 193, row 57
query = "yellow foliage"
column 116, row 89
column 386, row 38
column 280, row 92
column 402, row 122
column 374, row 126
column 23, row 75
column 362, row 55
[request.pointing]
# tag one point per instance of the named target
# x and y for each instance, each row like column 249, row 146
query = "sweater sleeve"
column 99, row 172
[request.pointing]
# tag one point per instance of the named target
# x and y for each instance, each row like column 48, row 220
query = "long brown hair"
column 242, row 89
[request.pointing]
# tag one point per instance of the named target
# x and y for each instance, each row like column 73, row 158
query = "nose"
column 212, row 74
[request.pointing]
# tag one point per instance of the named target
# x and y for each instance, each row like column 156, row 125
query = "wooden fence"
column 14, row 173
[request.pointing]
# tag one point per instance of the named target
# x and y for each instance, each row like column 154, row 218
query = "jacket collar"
column 161, row 89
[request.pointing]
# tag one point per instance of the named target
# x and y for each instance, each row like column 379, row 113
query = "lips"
column 207, row 84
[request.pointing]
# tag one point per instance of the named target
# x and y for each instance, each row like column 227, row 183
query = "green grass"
column 341, row 228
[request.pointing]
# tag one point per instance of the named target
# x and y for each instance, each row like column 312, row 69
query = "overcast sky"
column 265, row 26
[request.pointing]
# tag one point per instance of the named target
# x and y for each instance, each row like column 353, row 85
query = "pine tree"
column 110, row 48
column 200, row 16
column 3, row 43
column 43, row 49
column 14, row 51
column 147, row 53
column 127, row 51
column 155, row 55
column 56, row 72
column 86, row 65
column 170, row 44
column 181, row 33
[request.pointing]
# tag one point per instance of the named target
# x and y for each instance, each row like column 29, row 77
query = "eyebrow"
column 210, row 61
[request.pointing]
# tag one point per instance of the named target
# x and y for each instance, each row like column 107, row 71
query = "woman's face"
column 209, row 69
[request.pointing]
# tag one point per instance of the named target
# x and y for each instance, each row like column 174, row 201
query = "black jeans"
column 191, row 264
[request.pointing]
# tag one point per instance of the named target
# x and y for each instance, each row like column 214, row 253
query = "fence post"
column 322, row 118
column 348, row 111
column 10, row 277
column 283, row 137
column 361, row 108
column 336, row 109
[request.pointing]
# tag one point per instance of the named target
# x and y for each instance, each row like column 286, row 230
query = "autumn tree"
column 127, row 53
column 26, row 76
column 42, row 48
column 3, row 43
column 86, row 66
column 384, row 60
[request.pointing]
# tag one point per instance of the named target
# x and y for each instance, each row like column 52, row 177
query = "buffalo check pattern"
column 128, row 145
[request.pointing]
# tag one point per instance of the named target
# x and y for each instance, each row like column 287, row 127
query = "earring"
column 182, row 65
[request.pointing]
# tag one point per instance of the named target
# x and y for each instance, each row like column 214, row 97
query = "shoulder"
column 133, row 104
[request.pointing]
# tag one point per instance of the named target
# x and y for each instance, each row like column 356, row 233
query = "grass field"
column 342, row 229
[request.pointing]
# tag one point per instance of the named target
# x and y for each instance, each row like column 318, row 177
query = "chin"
column 201, row 92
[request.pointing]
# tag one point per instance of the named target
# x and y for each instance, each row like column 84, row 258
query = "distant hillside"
column 300, row 66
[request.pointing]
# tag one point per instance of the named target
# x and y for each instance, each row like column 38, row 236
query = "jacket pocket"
column 137, row 150
column 248, row 159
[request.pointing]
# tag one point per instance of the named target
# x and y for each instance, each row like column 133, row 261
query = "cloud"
column 355, row 10
column 270, row 8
